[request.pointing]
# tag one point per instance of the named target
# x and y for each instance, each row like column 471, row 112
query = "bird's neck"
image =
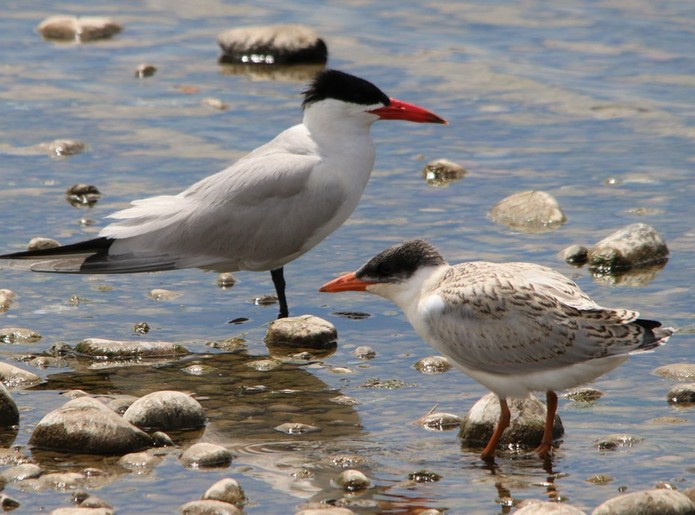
column 406, row 295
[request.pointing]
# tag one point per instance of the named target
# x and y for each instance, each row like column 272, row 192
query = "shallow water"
column 589, row 101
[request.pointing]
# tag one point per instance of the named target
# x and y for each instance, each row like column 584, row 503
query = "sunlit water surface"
column 589, row 101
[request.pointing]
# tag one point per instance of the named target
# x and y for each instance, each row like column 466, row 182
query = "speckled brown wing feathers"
column 517, row 317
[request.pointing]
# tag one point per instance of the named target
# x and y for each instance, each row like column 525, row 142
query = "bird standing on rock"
column 265, row 210
column 513, row 327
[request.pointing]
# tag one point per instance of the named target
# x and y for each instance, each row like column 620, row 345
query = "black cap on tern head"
column 343, row 86
column 400, row 262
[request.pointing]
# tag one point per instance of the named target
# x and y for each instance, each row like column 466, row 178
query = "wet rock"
column 272, row 44
column 634, row 246
column 161, row 294
column 141, row 328
column 683, row 394
column 226, row 490
column 6, row 299
column 216, row 103
column 7, row 503
column 79, row 29
column 99, row 347
column 677, row 371
column 424, row 476
column 21, row 472
column 203, row 455
column 61, row 481
column 529, row 211
column 40, row 243
column 525, row 429
column 9, row 414
column 297, row 428
column 15, row 377
column 121, row 403
column 139, row 461
column 144, row 70
column 16, row 335
column 364, row 352
column 575, row 254
column 263, row 365
column 198, row 369
column 226, row 280
column 583, row 394
column 647, row 502
column 600, row 479
column 352, row 480
column 326, row 509
column 348, row 461
column 534, row 506
column 92, row 501
column 440, row 421
column 433, row 365
column 48, row 362
column 79, row 510
column 345, row 400
column 617, row 441
column 303, row 331
column 166, row 410
column 65, row 147
column 209, row 507
column 161, row 439
column 85, row 425
column 442, row 172
column 80, row 195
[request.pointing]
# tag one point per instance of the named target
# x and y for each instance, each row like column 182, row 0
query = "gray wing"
column 517, row 317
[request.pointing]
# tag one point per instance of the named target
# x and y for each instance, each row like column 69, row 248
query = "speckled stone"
column 633, row 246
column 529, row 211
column 647, row 502
column 302, row 331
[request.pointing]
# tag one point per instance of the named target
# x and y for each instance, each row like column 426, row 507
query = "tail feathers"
column 75, row 250
column 91, row 257
column 654, row 334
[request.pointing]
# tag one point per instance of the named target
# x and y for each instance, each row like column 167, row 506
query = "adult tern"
column 265, row 210
column 513, row 327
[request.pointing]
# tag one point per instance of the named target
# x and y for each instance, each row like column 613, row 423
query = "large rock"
column 529, row 211
column 634, row 246
column 85, row 425
column 306, row 331
column 525, row 429
column 226, row 490
column 80, row 29
column 9, row 414
column 166, row 411
column 647, row 502
column 272, row 44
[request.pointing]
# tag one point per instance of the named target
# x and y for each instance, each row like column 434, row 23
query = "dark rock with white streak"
column 85, row 425
column 525, row 429
column 272, row 45
column 634, row 246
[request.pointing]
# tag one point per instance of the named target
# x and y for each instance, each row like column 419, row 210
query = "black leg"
column 279, row 282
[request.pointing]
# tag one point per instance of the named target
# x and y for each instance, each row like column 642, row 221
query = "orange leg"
column 546, row 446
column 502, row 424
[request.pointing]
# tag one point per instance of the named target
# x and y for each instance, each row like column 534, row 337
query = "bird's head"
column 338, row 92
column 390, row 270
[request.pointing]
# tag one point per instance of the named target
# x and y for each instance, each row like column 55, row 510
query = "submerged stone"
column 617, row 441
column 440, row 421
column 16, row 335
column 79, row 29
column 526, row 427
column 647, row 502
column 80, row 195
column 144, row 70
column 21, row 472
column 529, row 211
column 272, row 45
column 433, row 365
column 6, row 299
column 226, row 280
column 683, row 394
column 634, row 246
column 583, row 394
column 352, row 481
column 65, row 147
column 203, row 455
column 297, row 428
column 364, row 352
column 85, row 425
column 677, row 371
column 575, row 254
column 167, row 411
column 442, row 172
